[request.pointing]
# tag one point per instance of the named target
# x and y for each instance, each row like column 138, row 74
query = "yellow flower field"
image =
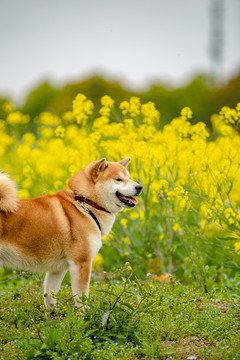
column 188, row 217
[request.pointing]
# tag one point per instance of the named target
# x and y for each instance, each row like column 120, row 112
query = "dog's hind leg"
column 52, row 285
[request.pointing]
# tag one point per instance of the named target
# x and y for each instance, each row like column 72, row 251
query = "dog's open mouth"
column 127, row 200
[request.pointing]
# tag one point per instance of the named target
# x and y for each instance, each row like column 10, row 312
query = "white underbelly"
column 12, row 257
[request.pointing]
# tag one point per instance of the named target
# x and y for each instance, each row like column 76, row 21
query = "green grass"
column 125, row 318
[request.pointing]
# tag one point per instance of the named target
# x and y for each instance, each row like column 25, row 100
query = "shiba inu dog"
column 61, row 232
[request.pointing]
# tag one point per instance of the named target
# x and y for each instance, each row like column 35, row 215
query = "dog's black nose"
column 138, row 189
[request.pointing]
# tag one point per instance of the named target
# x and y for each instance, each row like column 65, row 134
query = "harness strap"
column 94, row 218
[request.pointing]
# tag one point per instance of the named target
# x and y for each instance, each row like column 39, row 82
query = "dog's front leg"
column 80, row 272
column 52, row 284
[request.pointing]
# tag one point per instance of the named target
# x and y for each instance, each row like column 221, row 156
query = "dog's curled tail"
column 8, row 194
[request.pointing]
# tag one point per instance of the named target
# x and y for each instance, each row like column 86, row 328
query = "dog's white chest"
column 95, row 245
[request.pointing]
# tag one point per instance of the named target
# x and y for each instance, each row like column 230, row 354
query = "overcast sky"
column 133, row 40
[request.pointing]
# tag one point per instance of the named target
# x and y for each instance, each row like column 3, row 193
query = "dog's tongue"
column 134, row 201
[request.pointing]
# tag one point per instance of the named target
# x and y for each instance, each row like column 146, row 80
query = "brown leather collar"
column 84, row 201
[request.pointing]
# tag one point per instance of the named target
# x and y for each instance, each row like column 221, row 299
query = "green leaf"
column 139, row 285
column 105, row 317
column 155, row 311
column 138, row 298
column 120, row 336
column 127, row 305
column 169, row 351
column 90, row 332
column 119, row 309
column 37, row 353
column 228, row 238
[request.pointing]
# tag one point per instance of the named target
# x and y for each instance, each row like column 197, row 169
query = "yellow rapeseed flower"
column 230, row 215
column 8, row 107
column 177, row 228
column 97, row 262
column 17, row 117
column 47, row 118
column 68, row 117
column 60, row 132
column 131, row 108
column 124, row 222
column 127, row 240
column 82, row 108
column 29, row 139
column 107, row 101
column 150, row 114
column 186, row 113
column 134, row 215
column 237, row 247
column 109, row 237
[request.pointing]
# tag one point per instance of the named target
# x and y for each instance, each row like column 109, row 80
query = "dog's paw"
column 49, row 301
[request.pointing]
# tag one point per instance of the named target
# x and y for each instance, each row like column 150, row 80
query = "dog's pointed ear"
column 99, row 166
column 125, row 162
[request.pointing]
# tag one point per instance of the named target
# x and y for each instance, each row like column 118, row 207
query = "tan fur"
column 8, row 194
column 53, row 233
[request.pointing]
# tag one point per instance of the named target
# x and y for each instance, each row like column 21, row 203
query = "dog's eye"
column 118, row 179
